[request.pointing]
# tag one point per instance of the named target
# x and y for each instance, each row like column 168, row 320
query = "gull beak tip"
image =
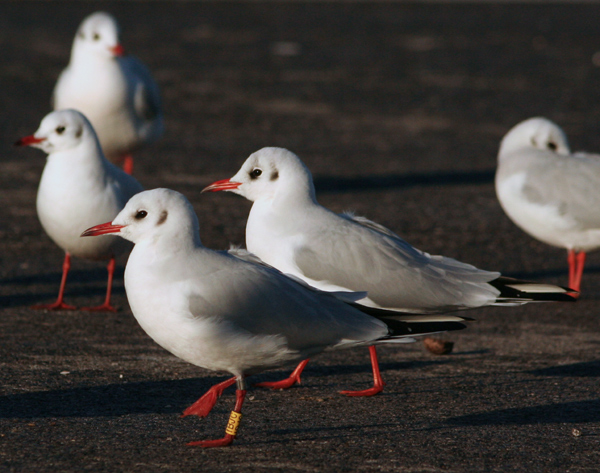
column 102, row 229
column 222, row 185
column 28, row 141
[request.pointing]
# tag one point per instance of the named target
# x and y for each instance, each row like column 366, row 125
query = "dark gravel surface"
column 398, row 110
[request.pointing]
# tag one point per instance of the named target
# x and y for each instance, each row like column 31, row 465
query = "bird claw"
column 55, row 306
column 288, row 382
column 365, row 393
column 224, row 442
column 202, row 406
column 283, row 384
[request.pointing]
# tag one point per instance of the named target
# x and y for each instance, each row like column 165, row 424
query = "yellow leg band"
column 233, row 423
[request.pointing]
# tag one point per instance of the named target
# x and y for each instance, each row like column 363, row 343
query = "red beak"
column 103, row 229
column 29, row 140
column 223, row 185
column 118, row 50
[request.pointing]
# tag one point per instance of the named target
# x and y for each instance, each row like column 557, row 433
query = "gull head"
column 60, row 131
column 535, row 133
column 98, row 35
column 154, row 215
column 267, row 174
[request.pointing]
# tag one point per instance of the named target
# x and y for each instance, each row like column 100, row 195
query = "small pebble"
column 437, row 346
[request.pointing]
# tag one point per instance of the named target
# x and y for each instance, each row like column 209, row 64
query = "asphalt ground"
column 398, row 110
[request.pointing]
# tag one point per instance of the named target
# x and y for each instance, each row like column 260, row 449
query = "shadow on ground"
column 585, row 369
column 79, row 283
column 559, row 413
column 161, row 397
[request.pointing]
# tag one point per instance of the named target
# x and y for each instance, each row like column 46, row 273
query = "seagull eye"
column 141, row 214
column 60, row 129
column 96, row 37
column 552, row 146
column 255, row 173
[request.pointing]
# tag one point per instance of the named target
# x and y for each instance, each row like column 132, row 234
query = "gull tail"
column 517, row 292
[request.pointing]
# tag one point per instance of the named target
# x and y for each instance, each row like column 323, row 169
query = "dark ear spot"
column 274, row 175
column 163, row 218
column 79, row 132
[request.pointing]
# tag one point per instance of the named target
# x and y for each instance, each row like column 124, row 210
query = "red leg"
column 204, row 405
column 288, row 382
column 232, row 425
column 572, row 267
column 128, row 164
column 59, row 304
column 576, row 264
column 378, row 383
column 579, row 273
column 106, row 307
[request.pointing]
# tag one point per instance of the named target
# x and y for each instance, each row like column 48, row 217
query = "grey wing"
column 146, row 95
column 125, row 186
column 363, row 256
column 245, row 255
column 571, row 184
column 262, row 301
column 365, row 222
column 349, row 296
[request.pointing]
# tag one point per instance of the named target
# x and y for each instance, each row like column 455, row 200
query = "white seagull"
column 115, row 92
column 78, row 187
column 288, row 229
column 228, row 312
column 550, row 193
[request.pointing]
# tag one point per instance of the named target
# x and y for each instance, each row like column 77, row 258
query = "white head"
column 535, row 133
column 270, row 173
column 98, row 36
column 61, row 131
column 157, row 215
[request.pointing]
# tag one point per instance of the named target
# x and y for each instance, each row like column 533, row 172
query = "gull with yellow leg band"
column 226, row 311
column 233, row 423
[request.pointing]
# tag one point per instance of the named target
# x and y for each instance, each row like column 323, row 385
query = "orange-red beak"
column 118, row 50
column 102, row 229
column 29, row 140
column 223, row 185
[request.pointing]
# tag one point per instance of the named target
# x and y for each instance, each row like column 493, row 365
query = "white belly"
column 102, row 96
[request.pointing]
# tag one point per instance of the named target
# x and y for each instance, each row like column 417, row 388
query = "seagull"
column 549, row 192
column 114, row 91
column 289, row 230
column 78, row 187
column 228, row 311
